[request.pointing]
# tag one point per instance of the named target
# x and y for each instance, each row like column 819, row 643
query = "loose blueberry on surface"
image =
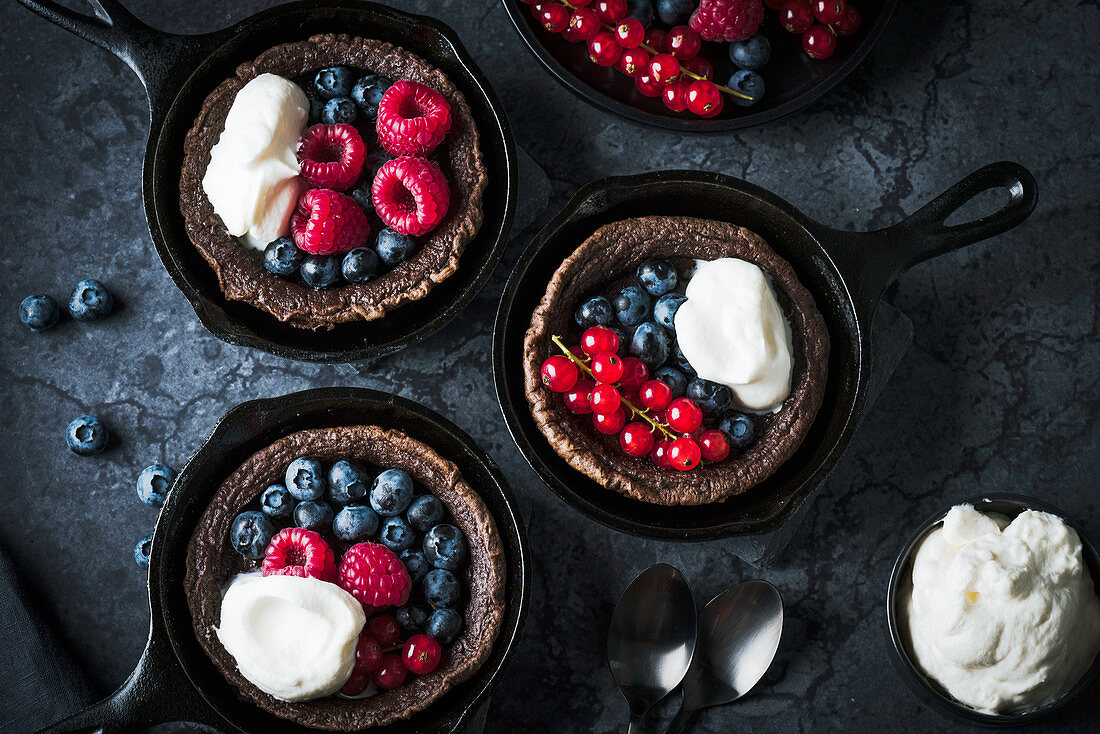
column 657, row 276
column 739, row 429
column 391, row 492
column 319, row 271
column 368, row 92
column 651, row 343
column 711, row 397
column 39, row 312
column 339, row 110
column 277, row 502
column 306, row 479
column 444, row 625
column 752, row 53
column 632, row 306
column 360, row 265
column 594, row 312
column 153, row 484
column 424, row 512
column 283, row 258
column 142, row 550
column 347, row 482
column 90, row 301
column 86, row 435
column 664, row 310
column 441, row 588
column 250, row 533
column 415, row 563
column 333, row 81
column 445, row 547
column 313, row 515
column 412, row 617
column 676, row 380
column 749, row 83
column 355, row 523
column 396, row 534
column 674, row 12
column 394, row 248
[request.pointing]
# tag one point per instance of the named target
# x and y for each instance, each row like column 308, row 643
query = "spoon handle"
column 682, row 721
column 635, row 726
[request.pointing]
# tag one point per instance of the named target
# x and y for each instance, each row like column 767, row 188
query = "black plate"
column 845, row 271
column 176, row 681
column 792, row 80
column 180, row 71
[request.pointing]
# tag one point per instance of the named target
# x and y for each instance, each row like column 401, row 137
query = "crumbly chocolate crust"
column 614, row 251
column 211, row 562
column 241, row 274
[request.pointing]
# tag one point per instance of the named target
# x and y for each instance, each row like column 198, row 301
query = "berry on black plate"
column 391, row 493
column 90, row 301
column 749, row 83
column 657, row 276
column 632, row 306
column 676, row 380
column 347, row 482
column 319, row 271
column 664, row 311
column 441, row 588
column 305, row 478
column 424, row 512
column 313, row 515
column 355, row 523
column 412, row 617
column 394, row 248
column 339, row 111
column 674, row 12
column 153, row 484
column 86, row 435
column 415, row 563
column 283, row 258
column 368, row 92
column 651, row 343
column 396, row 534
column 752, row 53
column 334, row 81
column 277, row 503
column 39, row 312
column 740, row 430
column 594, row 312
column 711, row 397
column 445, row 547
column 360, row 265
column 444, row 625
column 250, row 533
column 142, row 550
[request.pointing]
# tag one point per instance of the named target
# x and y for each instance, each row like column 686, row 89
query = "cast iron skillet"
column 792, row 80
column 845, row 271
column 178, row 72
column 176, row 681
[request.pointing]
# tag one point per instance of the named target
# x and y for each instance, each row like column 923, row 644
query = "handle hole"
column 981, row 204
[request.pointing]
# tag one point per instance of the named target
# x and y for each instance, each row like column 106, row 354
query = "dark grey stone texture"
column 998, row 392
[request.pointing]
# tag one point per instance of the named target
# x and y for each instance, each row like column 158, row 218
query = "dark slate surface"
column 999, row 391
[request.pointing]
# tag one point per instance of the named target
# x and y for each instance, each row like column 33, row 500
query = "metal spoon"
column 651, row 638
column 739, row 633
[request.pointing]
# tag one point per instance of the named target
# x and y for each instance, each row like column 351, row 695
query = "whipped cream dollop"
column 292, row 637
column 732, row 331
column 1003, row 615
column 252, row 179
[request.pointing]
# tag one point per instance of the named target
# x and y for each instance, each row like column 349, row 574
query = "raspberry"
column 411, row 195
column 727, row 20
column 327, row 222
column 412, row 119
column 332, row 156
column 299, row 552
column 374, row 575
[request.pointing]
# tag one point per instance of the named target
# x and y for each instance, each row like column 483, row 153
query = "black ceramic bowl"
column 929, row 692
column 792, row 79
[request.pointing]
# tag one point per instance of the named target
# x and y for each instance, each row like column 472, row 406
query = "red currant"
column 829, row 11
column 421, row 654
column 664, row 68
column 611, row 11
column 580, row 3
column 659, row 455
column 605, row 399
column 630, row 33
column 554, row 17
column 684, row 454
column 714, row 445
column 683, row 415
column 609, row 423
column 704, row 98
column 356, row 683
column 579, row 399
column 384, row 629
column 578, row 352
column 699, row 66
column 647, row 86
column 796, row 16
column 655, row 39
column 607, row 368
column 584, row 24
column 636, row 439
column 603, row 49
column 819, row 42
column 559, row 373
column 634, row 62
column 599, row 340
column 683, row 42
column 368, row 654
column 536, row 10
column 635, row 373
column 850, row 23
column 655, row 395
column 391, row 674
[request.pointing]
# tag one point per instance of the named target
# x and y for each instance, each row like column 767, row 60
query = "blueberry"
column 657, row 276
column 355, row 523
column 664, row 311
column 250, row 533
column 391, row 492
column 316, row 104
column 675, row 12
column 153, row 484
column 347, row 482
column 313, row 515
column 651, row 344
column 624, row 341
column 444, row 625
column 642, row 10
column 674, row 378
column 632, row 306
column 283, row 258
column 376, row 160
column 445, row 547
column 746, row 82
column 752, row 53
column 86, row 435
column 334, row 81
column 711, row 397
column 142, row 550
column 319, row 271
column 394, row 248
column 368, row 92
column 411, row 617
column 359, row 265
column 424, row 512
column 739, row 429
column 90, row 301
column 339, row 111
column 441, row 588
column 681, row 361
column 39, row 312
column 305, row 478
column 277, row 502
column 594, row 312
column 363, row 194
column 415, row 563
column 396, row 534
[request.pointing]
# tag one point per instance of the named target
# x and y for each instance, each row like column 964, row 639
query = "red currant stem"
column 640, row 412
